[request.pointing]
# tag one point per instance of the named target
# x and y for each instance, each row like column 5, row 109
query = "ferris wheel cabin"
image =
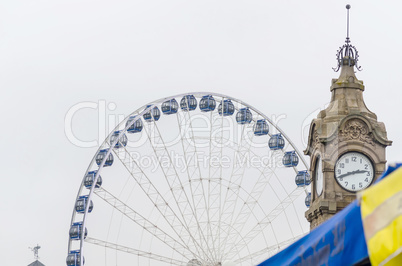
column 261, row 128
column 307, row 201
column 101, row 155
column 194, row 262
column 76, row 231
column 188, row 103
column 74, row 258
column 226, row 108
column 81, row 204
column 152, row 115
column 170, row 107
column 122, row 142
column 136, row 126
column 89, row 180
column 302, row 178
column 290, row 159
column 276, row 142
column 207, row 103
column 244, row 116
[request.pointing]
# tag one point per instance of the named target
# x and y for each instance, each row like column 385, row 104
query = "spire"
column 347, row 54
column 35, row 250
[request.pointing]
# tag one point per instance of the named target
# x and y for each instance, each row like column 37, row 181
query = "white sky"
column 274, row 55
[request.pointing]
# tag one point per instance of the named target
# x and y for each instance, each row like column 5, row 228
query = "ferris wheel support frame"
column 148, row 108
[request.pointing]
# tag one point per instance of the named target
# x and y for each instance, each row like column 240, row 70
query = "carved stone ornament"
column 356, row 129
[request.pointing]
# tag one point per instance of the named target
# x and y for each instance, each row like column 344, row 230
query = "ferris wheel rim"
column 146, row 108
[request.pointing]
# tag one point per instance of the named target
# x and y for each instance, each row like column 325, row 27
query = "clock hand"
column 348, row 173
column 360, row 171
column 352, row 173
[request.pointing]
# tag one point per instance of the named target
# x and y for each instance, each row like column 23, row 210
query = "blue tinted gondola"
column 226, row 108
column 89, row 180
column 207, row 103
column 152, row 115
column 74, row 258
column 101, row 155
column 76, row 231
column 136, row 126
column 194, row 262
column 244, row 116
column 122, row 141
column 81, row 204
column 188, row 103
column 276, row 142
column 290, row 159
column 170, row 107
column 307, row 201
column 261, row 128
column 302, row 178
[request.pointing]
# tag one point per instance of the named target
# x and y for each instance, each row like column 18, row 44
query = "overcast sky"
column 274, row 55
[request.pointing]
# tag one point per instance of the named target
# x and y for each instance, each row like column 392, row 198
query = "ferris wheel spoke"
column 177, row 190
column 277, row 196
column 267, row 251
column 215, row 173
column 144, row 254
column 193, row 169
column 260, row 226
column 144, row 223
column 234, row 240
column 248, row 207
column 252, row 201
column 230, row 202
column 256, row 193
column 225, row 226
column 154, row 195
column 214, row 191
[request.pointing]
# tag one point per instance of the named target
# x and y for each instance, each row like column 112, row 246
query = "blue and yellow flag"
column 381, row 209
column 370, row 226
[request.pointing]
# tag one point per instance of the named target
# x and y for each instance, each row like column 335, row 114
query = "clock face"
column 354, row 171
column 319, row 176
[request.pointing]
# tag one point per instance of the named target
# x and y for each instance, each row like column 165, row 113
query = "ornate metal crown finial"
column 347, row 54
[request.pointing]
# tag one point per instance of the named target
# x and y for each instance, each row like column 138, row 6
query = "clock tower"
column 346, row 143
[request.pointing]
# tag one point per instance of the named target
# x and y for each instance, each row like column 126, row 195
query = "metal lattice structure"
column 195, row 186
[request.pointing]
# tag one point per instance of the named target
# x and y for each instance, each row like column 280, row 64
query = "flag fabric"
column 338, row 240
column 381, row 210
column 368, row 228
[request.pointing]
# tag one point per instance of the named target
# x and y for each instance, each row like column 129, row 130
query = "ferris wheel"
column 193, row 179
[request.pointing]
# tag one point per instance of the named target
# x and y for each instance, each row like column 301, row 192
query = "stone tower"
column 346, row 143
